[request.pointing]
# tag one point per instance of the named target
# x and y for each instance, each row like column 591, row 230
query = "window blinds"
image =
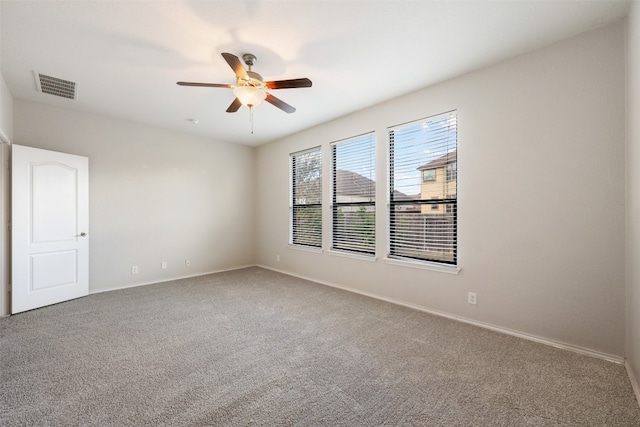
column 306, row 198
column 423, row 189
column 354, row 194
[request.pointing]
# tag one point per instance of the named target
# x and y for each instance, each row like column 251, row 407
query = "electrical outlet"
column 471, row 298
column 134, row 269
column 278, row 258
column 187, row 263
column 164, row 265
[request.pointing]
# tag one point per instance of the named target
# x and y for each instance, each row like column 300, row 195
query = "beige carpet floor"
column 253, row 347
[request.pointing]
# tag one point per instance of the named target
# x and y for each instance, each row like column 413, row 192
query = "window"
column 428, row 175
column 354, row 194
column 305, row 211
column 434, row 207
column 452, row 171
column 423, row 212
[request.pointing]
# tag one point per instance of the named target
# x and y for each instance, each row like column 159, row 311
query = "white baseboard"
column 634, row 380
column 171, row 279
column 523, row 335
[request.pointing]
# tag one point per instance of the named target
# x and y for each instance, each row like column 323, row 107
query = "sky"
column 418, row 143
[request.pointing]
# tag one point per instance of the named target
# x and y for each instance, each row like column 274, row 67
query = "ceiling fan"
column 250, row 88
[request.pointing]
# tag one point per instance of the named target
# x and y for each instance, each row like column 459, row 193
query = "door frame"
column 5, row 224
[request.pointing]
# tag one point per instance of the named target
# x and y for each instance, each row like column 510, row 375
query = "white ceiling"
column 126, row 56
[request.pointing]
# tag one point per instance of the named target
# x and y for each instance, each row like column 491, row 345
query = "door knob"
column 83, row 234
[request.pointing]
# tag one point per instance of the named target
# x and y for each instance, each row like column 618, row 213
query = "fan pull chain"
column 251, row 118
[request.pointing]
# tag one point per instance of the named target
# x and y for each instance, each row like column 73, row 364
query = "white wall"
column 6, row 103
column 6, row 134
column 6, row 110
column 633, row 194
column 541, row 196
column 155, row 195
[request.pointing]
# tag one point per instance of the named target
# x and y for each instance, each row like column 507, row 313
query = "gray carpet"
column 257, row 348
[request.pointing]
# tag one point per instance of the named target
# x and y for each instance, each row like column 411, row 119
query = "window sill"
column 362, row 257
column 424, row 265
column 305, row 248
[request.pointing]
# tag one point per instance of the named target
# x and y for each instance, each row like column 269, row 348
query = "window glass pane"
column 423, row 189
column 354, row 194
column 307, row 225
column 422, row 235
column 306, row 198
column 307, row 177
column 354, row 228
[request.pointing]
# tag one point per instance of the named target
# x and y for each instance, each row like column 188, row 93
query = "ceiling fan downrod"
column 249, row 59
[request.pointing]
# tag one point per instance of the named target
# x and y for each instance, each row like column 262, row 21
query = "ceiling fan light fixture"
column 250, row 88
column 249, row 95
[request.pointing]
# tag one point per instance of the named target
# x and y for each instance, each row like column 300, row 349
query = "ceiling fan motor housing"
column 254, row 79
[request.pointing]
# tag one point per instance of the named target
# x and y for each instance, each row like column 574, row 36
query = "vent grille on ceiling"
column 55, row 86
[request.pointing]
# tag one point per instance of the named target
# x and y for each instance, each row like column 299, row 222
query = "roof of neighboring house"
column 397, row 195
column 349, row 183
column 441, row 161
column 354, row 184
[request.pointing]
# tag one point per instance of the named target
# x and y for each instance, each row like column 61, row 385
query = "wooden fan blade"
column 280, row 104
column 288, row 84
column 235, row 105
column 204, row 84
column 236, row 65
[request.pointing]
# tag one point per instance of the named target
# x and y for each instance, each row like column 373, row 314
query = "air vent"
column 55, row 86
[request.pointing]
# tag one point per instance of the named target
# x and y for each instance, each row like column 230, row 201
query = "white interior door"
column 50, row 224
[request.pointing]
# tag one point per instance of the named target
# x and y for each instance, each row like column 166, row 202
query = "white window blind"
column 423, row 189
column 354, row 194
column 305, row 210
